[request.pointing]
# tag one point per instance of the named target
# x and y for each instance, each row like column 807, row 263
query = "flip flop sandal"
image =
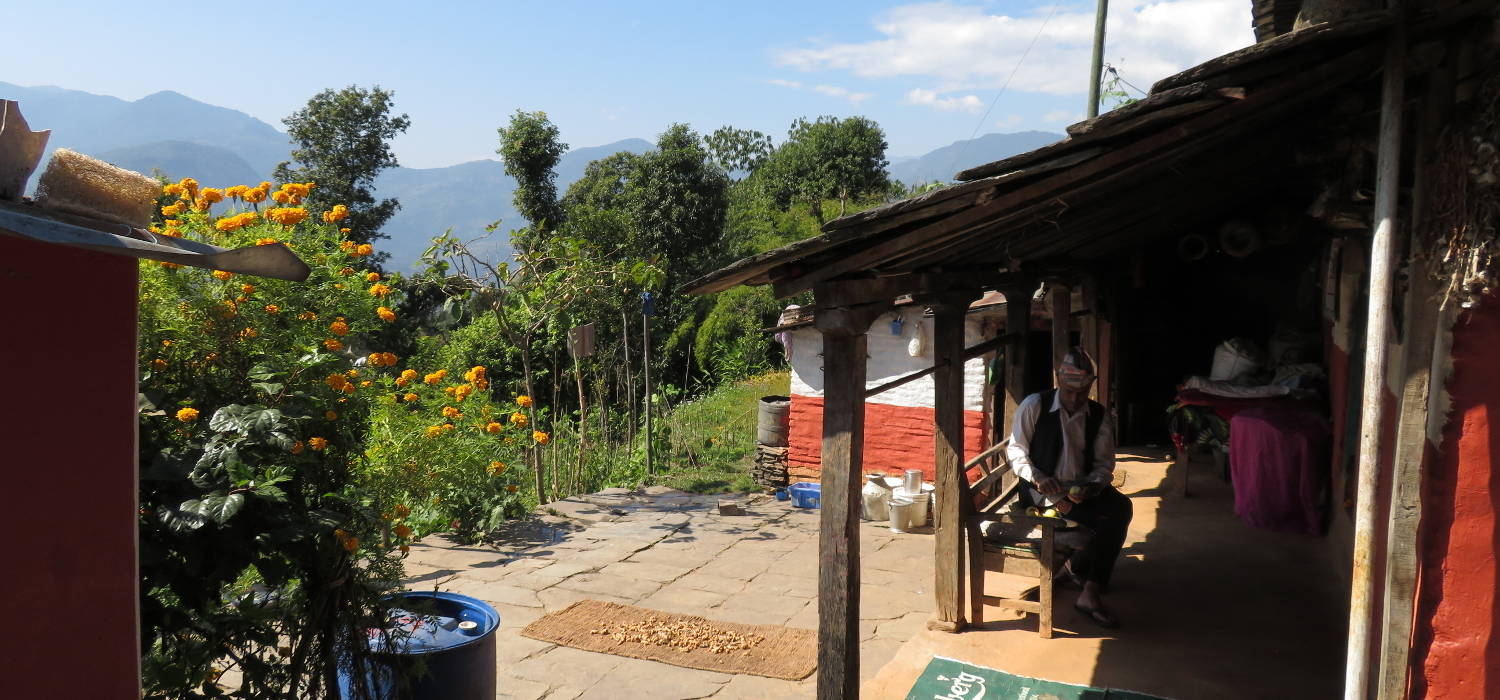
column 1098, row 616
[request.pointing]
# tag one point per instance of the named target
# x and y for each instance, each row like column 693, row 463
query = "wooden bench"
column 992, row 498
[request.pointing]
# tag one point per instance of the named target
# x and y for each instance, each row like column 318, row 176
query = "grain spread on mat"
column 683, row 635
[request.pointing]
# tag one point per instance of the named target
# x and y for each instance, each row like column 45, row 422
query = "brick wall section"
column 897, row 438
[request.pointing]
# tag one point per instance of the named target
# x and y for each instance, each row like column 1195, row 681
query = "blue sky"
column 604, row 71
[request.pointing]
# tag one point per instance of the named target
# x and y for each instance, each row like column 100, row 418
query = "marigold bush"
column 259, row 546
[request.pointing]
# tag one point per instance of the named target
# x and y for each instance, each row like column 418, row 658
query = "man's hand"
column 1049, row 487
column 1064, row 506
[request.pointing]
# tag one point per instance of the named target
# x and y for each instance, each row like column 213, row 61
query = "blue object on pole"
column 896, row 325
column 452, row 635
column 648, row 304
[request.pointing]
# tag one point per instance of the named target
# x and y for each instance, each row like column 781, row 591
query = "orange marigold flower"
column 281, row 197
column 409, row 398
column 366, row 384
column 333, row 344
column 318, row 444
column 385, row 314
column 170, row 265
column 266, row 241
column 247, row 289
column 286, row 216
column 451, row 412
column 540, row 437
column 524, row 401
column 372, row 276
column 346, row 271
column 433, row 431
column 401, row 510
column 248, row 333
column 255, row 195
column 512, row 488
column 492, row 427
column 189, row 187
column 339, row 327
column 364, row 249
column 390, row 358
column 187, row 415
column 497, row 467
column 273, row 309
column 518, row 418
column 297, row 447
column 223, row 274
column 351, row 544
column 159, row 364
column 331, row 415
column 307, row 316
column 172, row 190
column 347, row 246
column 172, row 209
column 402, row 531
column 236, row 192
column 379, row 290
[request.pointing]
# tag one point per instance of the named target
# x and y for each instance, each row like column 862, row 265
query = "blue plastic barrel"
column 452, row 635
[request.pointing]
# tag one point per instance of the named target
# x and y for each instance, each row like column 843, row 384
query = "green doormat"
column 949, row 679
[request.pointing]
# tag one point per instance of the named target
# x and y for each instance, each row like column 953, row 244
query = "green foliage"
column 738, row 150
column 829, row 158
column 676, row 199
column 257, row 549
column 1113, row 90
column 531, row 149
column 343, row 142
column 729, row 343
column 711, row 440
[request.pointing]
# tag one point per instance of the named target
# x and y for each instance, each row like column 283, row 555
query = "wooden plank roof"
column 1101, row 187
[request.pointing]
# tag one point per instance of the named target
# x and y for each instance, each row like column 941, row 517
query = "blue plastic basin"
column 806, row 494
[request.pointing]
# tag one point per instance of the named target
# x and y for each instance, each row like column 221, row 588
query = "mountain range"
column 178, row 136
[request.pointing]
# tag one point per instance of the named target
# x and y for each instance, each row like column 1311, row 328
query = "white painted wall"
column 889, row 359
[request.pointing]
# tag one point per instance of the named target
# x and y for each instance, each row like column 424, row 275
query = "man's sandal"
column 1098, row 616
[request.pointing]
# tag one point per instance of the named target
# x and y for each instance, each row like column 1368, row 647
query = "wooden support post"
column 948, row 455
column 1061, row 297
column 1018, row 329
column 1090, row 332
column 844, row 347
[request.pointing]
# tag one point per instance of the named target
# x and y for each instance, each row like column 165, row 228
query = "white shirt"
column 1070, row 462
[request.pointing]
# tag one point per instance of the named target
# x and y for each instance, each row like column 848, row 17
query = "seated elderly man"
column 1063, row 447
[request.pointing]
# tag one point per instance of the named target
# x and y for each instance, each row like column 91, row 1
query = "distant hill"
column 467, row 197
column 940, row 165
column 183, row 137
column 211, row 166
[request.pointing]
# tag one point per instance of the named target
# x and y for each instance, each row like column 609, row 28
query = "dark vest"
column 1047, row 438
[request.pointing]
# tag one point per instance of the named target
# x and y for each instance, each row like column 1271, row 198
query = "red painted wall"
column 897, row 438
column 1456, row 645
column 67, row 346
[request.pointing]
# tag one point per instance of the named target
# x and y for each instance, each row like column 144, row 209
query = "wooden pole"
column 948, row 456
column 1377, row 333
column 1061, row 297
column 844, row 347
column 1018, row 329
column 1089, row 332
column 1096, row 67
column 646, row 373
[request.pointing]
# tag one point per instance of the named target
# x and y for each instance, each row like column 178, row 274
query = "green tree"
column 602, row 185
column 829, row 158
column 738, row 150
column 343, row 142
column 531, row 149
column 676, row 199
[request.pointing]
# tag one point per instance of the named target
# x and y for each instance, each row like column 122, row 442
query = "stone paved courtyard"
column 671, row 551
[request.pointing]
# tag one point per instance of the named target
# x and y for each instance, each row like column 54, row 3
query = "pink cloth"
column 1279, row 461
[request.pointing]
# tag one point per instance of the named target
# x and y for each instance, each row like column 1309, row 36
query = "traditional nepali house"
column 1338, row 181
column 69, row 351
column 900, row 400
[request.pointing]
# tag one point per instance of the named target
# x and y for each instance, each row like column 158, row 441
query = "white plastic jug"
column 873, row 498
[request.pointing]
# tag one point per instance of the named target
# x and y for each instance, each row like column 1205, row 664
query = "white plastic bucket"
column 901, row 514
column 917, row 517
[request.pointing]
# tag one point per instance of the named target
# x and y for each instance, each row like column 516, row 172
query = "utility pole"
column 1096, row 69
column 648, row 309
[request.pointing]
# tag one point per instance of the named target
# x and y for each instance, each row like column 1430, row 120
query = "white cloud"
column 1009, row 122
column 842, row 93
column 930, row 98
column 965, row 48
column 830, row 90
column 1061, row 116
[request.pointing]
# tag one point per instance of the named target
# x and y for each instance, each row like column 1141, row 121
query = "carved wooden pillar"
column 948, row 311
column 1089, row 332
column 844, row 344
